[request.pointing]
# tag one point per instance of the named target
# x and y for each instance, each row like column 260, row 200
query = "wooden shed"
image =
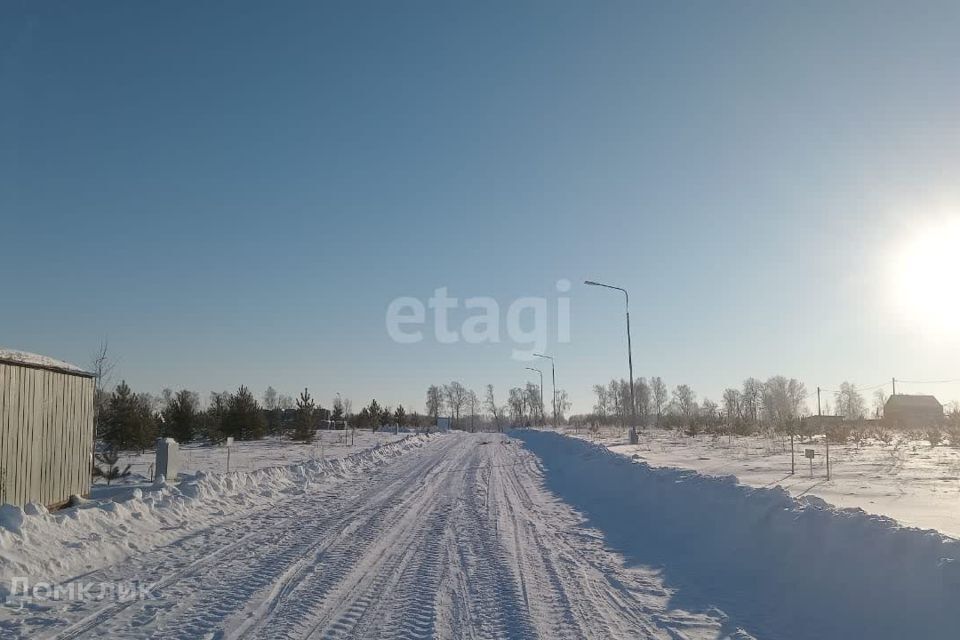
column 46, row 429
column 912, row 412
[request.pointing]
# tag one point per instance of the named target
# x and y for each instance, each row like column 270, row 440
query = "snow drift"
column 781, row 567
column 95, row 533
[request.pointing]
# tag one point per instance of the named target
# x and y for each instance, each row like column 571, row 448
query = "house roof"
column 35, row 361
column 903, row 401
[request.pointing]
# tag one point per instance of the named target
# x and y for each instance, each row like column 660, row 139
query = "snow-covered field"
column 907, row 480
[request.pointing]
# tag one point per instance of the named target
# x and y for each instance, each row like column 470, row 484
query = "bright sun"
column 927, row 274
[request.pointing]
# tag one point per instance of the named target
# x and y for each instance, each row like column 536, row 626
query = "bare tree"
column 709, row 409
column 434, row 402
column 563, row 404
column 270, row 399
column 284, row 402
column 659, row 392
column 455, row 395
column 784, row 401
column 495, row 411
column 732, row 405
column 102, row 368
column 534, row 399
column 849, row 401
column 879, row 402
column 616, row 400
column 752, row 400
column 642, row 390
column 685, row 403
column 517, row 402
column 472, row 401
column 602, row 408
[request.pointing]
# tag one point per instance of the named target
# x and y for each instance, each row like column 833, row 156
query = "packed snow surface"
column 537, row 535
column 451, row 536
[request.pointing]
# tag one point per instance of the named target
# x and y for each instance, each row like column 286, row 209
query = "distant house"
column 912, row 412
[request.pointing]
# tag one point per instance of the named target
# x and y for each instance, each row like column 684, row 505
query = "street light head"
column 592, row 283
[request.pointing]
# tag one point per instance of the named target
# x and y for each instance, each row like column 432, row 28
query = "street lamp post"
column 553, row 372
column 542, row 421
column 633, row 403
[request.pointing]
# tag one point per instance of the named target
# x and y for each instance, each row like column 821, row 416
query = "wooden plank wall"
column 46, row 435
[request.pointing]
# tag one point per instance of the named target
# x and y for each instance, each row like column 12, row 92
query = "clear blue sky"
column 233, row 192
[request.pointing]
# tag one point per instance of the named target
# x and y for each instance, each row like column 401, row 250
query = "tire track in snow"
column 368, row 587
column 199, row 596
column 459, row 539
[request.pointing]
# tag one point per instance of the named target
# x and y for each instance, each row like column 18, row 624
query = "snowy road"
column 458, row 538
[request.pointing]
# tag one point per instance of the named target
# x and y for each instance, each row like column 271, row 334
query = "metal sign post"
column 810, row 453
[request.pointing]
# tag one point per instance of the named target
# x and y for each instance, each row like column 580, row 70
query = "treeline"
column 129, row 420
column 524, row 406
column 777, row 404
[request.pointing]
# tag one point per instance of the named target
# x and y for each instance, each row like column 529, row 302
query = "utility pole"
column 894, row 380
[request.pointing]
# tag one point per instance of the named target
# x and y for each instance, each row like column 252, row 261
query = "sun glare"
column 927, row 274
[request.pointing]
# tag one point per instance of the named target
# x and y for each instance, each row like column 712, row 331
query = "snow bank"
column 782, row 567
column 95, row 533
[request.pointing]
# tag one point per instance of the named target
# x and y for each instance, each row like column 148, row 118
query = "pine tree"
column 244, row 419
column 129, row 421
column 214, row 416
column 373, row 414
column 399, row 415
column 363, row 419
column 306, row 409
column 181, row 416
column 109, row 471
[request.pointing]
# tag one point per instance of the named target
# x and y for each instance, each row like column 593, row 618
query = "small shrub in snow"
column 106, row 466
column 838, row 433
column 933, row 435
column 859, row 437
column 883, row 435
column 953, row 433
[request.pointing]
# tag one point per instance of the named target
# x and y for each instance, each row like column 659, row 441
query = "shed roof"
column 903, row 401
column 35, row 361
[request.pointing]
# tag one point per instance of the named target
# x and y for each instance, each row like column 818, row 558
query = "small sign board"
column 809, row 453
column 229, row 441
